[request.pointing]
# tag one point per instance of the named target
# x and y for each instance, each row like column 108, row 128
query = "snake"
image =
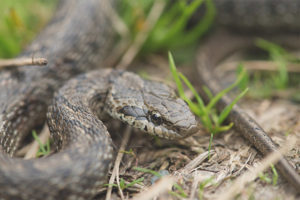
column 276, row 21
column 78, row 39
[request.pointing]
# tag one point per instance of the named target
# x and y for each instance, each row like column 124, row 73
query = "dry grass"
column 22, row 62
column 187, row 162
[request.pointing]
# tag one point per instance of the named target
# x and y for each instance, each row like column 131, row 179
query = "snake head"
column 150, row 106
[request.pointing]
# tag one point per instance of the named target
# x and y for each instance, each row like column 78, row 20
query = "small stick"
column 239, row 184
column 259, row 66
column 22, row 62
column 115, row 172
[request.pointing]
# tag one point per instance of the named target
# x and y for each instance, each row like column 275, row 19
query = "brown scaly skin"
column 80, row 166
column 277, row 21
column 72, row 44
column 77, row 40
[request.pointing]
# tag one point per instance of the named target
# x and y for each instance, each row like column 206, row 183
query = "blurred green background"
column 20, row 21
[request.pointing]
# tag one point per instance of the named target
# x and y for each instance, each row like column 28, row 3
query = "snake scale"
column 78, row 39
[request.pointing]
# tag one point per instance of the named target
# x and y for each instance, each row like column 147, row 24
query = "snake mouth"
column 191, row 130
column 164, row 131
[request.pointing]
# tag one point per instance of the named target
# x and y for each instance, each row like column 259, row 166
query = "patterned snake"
column 77, row 40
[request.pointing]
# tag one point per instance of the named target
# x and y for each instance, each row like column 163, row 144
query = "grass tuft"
column 171, row 25
column 211, row 120
column 266, row 85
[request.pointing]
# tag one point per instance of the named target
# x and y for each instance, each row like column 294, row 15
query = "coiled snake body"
column 76, row 40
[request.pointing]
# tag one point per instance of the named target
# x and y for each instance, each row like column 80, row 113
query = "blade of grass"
column 197, row 96
column 225, row 112
column 42, row 148
column 179, row 85
column 208, row 92
column 203, row 26
column 181, row 22
column 148, row 171
column 245, row 80
column 180, row 190
column 175, row 75
column 219, row 129
column 275, row 175
column 218, row 96
column 134, row 182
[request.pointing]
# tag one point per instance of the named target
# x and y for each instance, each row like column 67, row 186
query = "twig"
column 141, row 37
column 195, row 183
column 115, row 172
column 22, row 62
column 196, row 161
column 240, row 182
column 259, row 66
column 117, row 23
column 244, row 165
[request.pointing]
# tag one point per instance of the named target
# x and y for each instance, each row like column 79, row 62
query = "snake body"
column 76, row 40
column 72, row 43
column 84, row 146
column 277, row 21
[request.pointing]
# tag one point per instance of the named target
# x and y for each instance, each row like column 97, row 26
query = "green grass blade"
column 175, row 75
column 179, row 85
column 210, row 144
column 134, row 182
column 148, row 171
column 180, row 190
column 180, row 23
column 197, row 96
column 269, row 46
column 203, row 26
column 208, row 92
column 275, row 175
column 223, row 115
column 245, row 80
column 219, row 129
column 202, row 186
column 41, row 146
column 216, row 98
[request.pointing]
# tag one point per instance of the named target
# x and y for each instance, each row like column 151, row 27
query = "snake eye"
column 156, row 118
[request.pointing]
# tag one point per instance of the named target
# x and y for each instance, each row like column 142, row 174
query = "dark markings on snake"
column 132, row 111
column 79, row 39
